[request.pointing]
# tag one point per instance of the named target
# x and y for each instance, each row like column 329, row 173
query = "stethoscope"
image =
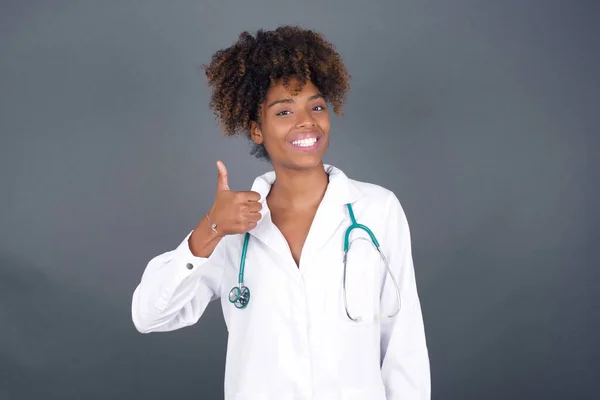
column 240, row 295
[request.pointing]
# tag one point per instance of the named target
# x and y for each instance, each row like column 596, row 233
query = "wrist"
column 203, row 239
column 211, row 224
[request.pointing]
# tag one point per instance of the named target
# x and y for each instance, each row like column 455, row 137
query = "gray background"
column 482, row 116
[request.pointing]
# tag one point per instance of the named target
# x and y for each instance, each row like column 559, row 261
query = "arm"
column 404, row 354
column 177, row 286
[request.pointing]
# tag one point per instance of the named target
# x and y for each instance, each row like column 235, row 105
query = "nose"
column 305, row 119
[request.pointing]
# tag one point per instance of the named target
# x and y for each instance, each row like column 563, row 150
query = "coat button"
column 189, row 266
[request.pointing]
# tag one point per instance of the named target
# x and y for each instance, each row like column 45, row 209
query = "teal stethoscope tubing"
column 240, row 294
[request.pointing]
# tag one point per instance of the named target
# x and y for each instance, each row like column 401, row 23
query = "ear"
column 255, row 132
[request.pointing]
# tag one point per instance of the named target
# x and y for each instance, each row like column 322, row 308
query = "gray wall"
column 482, row 116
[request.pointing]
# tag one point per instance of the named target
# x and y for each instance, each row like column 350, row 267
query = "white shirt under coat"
column 294, row 340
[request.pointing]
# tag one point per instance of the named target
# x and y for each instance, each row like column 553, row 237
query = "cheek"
column 276, row 131
column 324, row 121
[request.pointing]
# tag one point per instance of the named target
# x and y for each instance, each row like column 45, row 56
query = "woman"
column 303, row 324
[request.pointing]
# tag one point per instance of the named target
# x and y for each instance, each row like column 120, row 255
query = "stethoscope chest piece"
column 239, row 296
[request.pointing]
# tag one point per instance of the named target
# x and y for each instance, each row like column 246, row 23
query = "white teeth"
column 305, row 142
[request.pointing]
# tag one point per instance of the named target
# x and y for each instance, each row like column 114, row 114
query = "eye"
column 283, row 113
column 318, row 108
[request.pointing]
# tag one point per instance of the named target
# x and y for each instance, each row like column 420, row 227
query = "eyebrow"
column 288, row 100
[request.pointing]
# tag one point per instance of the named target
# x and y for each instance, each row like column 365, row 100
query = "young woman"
column 306, row 319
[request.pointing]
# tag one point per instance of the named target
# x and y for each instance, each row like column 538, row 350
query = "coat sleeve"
column 404, row 354
column 175, row 289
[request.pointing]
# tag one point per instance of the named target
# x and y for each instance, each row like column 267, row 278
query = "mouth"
column 306, row 142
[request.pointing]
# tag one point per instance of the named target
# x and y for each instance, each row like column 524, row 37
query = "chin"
column 299, row 160
column 303, row 163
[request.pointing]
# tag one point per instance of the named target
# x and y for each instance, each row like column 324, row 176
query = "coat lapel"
column 331, row 213
column 265, row 230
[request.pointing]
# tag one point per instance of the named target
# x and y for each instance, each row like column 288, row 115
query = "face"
column 293, row 128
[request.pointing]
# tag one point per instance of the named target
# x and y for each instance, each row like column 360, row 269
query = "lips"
column 305, row 135
column 306, row 141
column 304, row 138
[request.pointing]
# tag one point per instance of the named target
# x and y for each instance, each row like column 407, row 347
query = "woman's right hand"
column 232, row 213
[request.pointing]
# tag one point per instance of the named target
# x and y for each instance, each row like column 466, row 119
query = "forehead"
column 279, row 90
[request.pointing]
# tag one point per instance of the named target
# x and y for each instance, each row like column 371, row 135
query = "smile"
column 305, row 142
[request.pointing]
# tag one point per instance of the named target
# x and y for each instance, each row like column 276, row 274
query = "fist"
column 234, row 212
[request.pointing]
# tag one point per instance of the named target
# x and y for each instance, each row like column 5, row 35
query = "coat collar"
column 331, row 212
column 340, row 190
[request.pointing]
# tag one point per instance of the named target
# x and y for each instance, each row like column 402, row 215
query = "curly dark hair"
column 241, row 74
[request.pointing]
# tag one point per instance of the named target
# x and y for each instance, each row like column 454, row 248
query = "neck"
column 298, row 188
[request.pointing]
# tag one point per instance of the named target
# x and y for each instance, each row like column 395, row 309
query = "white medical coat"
column 294, row 340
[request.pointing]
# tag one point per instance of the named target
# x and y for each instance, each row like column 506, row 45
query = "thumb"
column 222, row 183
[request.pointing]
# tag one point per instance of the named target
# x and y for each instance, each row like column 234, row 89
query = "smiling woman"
column 289, row 124
column 320, row 321
column 259, row 84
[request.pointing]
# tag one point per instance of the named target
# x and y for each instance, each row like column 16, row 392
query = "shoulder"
column 375, row 195
column 371, row 198
column 381, row 206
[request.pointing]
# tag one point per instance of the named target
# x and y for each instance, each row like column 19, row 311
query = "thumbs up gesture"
column 233, row 212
